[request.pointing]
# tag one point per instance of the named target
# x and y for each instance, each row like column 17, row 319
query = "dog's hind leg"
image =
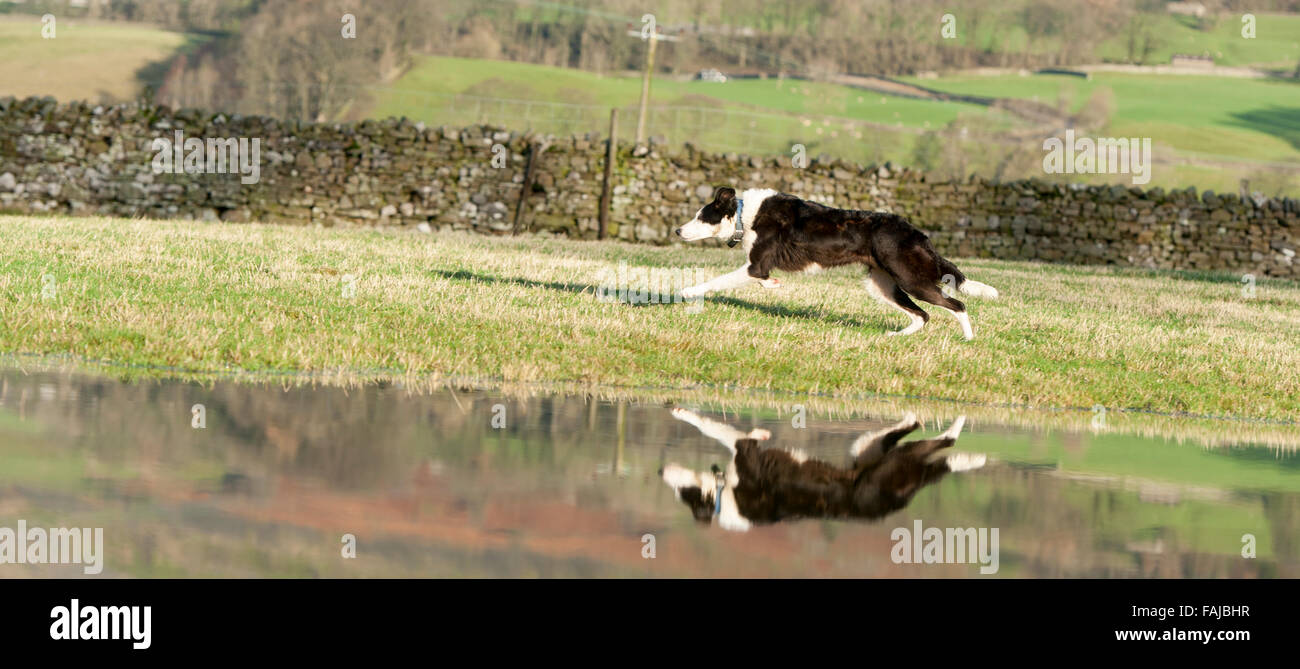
column 934, row 295
column 918, row 271
column 954, row 430
column 870, row 447
column 883, row 287
column 958, row 462
column 928, row 449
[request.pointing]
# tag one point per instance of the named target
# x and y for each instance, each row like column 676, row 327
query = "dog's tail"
column 977, row 289
column 963, row 285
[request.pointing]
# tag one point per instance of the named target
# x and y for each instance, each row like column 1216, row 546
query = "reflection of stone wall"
column 91, row 160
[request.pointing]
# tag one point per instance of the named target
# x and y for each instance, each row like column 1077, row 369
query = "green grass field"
column 1000, row 30
column 1276, row 42
column 1210, row 132
column 1241, row 118
column 83, row 61
column 750, row 116
column 505, row 79
column 266, row 298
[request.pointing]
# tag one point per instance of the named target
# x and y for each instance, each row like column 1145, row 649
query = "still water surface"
column 568, row 487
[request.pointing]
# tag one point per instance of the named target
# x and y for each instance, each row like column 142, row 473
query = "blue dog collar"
column 738, row 232
column 717, row 495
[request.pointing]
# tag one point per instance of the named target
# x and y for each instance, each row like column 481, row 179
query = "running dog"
column 780, row 231
column 766, row 485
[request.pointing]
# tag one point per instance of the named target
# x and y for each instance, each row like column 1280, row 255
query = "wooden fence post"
column 606, row 189
column 530, row 174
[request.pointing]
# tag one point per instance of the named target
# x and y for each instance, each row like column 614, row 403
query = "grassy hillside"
column 1209, row 132
column 751, row 116
column 84, row 60
column 264, row 298
column 505, row 79
column 1237, row 118
column 1276, row 42
column 1255, row 119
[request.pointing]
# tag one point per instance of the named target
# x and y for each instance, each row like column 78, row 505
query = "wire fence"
column 720, row 129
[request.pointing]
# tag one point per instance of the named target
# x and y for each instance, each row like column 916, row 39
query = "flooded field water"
column 265, row 481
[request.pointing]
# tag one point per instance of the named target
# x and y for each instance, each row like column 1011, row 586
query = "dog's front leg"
column 727, row 281
column 721, row 432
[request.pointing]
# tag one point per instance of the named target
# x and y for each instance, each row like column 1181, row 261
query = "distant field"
column 1210, row 132
column 1276, row 41
column 1000, row 30
column 1244, row 118
column 84, row 60
column 753, row 116
column 504, row 79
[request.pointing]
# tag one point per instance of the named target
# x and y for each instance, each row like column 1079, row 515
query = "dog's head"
column 715, row 219
column 695, row 489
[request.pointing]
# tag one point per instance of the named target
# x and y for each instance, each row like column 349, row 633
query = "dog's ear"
column 723, row 194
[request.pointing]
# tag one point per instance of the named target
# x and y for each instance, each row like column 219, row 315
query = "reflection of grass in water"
column 27, row 455
column 1097, row 516
column 11, row 423
column 1104, row 518
column 1202, row 431
column 29, row 459
column 1151, row 460
column 200, row 539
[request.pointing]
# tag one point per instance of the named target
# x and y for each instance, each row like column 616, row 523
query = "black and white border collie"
column 766, row 485
column 780, row 231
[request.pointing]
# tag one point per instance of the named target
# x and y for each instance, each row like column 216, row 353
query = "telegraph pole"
column 651, row 34
column 645, row 87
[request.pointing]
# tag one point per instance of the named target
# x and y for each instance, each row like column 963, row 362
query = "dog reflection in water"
column 766, row 485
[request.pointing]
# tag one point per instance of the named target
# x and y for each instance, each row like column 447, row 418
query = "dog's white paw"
column 684, row 414
column 961, row 462
column 692, row 292
column 760, row 434
column 954, row 430
column 771, row 283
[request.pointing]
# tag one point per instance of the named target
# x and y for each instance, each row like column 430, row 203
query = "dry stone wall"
column 82, row 159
